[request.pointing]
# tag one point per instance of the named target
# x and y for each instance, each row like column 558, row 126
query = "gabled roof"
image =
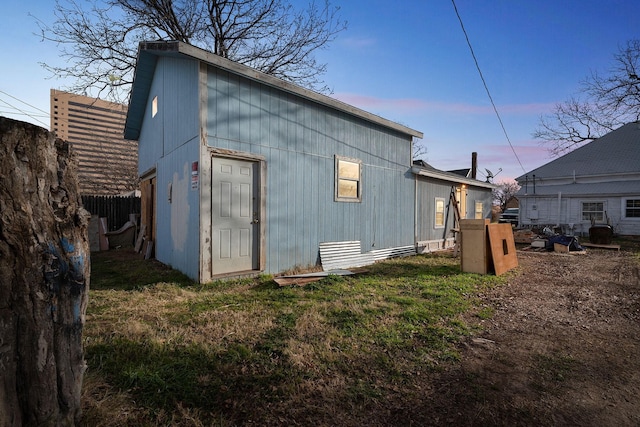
column 420, row 167
column 617, row 152
column 462, row 172
column 148, row 53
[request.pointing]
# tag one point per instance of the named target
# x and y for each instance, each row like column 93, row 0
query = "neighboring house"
column 513, row 202
column 597, row 183
column 244, row 173
column 434, row 204
column 107, row 163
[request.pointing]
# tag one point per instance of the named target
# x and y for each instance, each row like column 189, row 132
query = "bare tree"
column 604, row 103
column 99, row 43
column 418, row 149
column 505, row 191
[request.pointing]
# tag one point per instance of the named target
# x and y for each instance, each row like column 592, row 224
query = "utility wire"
column 22, row 111
column 485, row 85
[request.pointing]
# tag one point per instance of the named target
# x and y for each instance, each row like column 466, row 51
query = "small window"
column 593, row 211
column 632, row 208
column 154, row 106
column 439, row 213
column 478, row 211
column 348, row 180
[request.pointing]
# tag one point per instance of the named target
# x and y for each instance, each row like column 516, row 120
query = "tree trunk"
column 44, row 279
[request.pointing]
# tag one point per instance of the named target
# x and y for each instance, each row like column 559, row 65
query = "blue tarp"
column 570, row 241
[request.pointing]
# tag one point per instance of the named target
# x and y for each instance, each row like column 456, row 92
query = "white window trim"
column 435, row 212
column 475, row 211
column 604, row 209
column 336, row 180
column 623, row 208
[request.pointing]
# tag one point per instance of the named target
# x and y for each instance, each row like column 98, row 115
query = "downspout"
column 415, row 212
column 559, row 207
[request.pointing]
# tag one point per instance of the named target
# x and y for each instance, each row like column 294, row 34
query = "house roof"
column 422, row 168
column 617, row 152
column 618, row 188
column 462, row 172
column 148, row 53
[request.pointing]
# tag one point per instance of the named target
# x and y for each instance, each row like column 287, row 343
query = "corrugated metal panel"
column 341, row 255
column 381, row 254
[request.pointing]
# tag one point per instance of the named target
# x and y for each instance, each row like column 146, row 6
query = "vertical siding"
column 178, row 221
column 175, row 83
column 479, row 195
column 427, row 191
column 299, row 140
column 169, row 141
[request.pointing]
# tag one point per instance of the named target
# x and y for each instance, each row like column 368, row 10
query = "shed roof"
column 148, row 53
column 614, row 153
column 422, row 168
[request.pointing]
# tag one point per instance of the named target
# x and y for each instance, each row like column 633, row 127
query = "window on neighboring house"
column 478, row 211
column 348, row 180
column 154, row 106
column 593, row 211
column 632, row 208
column 439, row 213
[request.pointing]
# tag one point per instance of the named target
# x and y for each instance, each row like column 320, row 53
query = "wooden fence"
column 115, row 208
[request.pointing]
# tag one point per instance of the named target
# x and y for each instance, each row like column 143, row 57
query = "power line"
column 25, row 113
column 485, row 86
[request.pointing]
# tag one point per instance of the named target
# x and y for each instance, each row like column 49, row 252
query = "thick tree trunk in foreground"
column 44, row 279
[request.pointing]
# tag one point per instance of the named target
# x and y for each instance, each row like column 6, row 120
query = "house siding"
column 178, row 219
column 428, row 189
column 568, row 215
column 175, row 83
column 299, row 140
column 169, row 143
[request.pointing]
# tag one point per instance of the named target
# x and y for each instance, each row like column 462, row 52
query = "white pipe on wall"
column 559, row 207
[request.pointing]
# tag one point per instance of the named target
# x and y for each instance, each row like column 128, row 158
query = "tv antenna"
column 491, row 175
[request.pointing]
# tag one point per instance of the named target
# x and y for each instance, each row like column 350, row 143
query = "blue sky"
column 408, row 61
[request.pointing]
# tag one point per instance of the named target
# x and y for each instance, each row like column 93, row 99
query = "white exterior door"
column 234, row 215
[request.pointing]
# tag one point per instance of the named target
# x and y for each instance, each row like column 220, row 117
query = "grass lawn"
column 164, row 351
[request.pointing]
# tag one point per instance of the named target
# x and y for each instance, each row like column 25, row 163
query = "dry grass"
column 249, row 351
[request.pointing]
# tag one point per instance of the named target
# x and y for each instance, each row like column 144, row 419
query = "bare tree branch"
column 505, row 191
column 99, row 42
column 605, row 103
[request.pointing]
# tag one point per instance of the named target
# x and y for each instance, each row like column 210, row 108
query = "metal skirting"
column 341, row 255
column 348, row 254
column 380, row 254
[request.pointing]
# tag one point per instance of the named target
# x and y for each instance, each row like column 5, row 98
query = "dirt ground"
column 562, row 348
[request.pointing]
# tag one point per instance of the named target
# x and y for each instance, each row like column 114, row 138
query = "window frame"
column 338, row 179
column 475, row 210
column 435, row 212
column 625, row 208
column 593, row 202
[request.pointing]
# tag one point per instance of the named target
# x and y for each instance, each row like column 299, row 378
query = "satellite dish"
column 491, row 175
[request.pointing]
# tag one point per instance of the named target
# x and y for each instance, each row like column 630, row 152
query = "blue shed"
column 242, row 172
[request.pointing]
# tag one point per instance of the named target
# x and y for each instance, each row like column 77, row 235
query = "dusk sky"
column 408, row 61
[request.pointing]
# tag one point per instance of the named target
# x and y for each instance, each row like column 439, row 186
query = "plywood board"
column 503, row 247
column 474, row 253
column 140, row 239
column 103, row 228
